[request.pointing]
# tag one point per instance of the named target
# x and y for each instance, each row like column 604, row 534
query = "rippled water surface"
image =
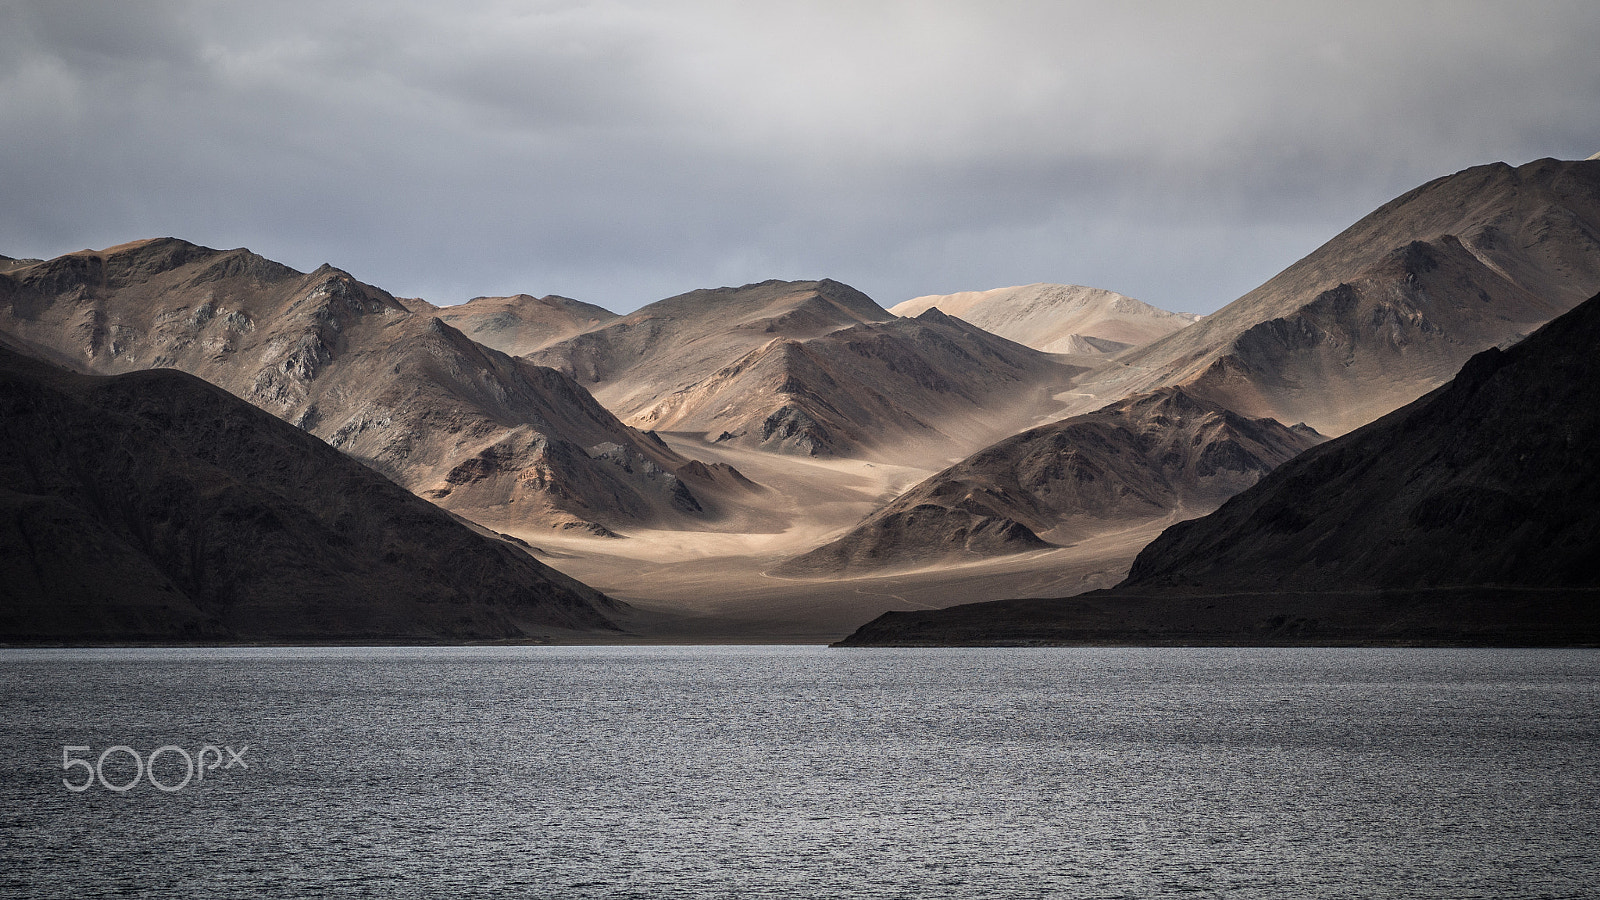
column 806, row 772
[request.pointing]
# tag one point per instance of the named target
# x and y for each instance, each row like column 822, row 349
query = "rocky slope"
column 814, row 368
column 1469, row 516
column 152, row 506
column 1393, row 306
column 1140, row 459
column 1057, row 318
column 480, row 432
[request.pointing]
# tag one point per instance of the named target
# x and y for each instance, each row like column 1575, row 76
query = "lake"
column 800, row 772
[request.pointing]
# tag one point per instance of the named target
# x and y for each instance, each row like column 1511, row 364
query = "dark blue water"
column 806, row 772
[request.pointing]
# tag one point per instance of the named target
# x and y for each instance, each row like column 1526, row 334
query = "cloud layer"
column 621, row 151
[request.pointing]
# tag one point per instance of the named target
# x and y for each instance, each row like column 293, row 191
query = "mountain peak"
column 1393, row 305
column 932, row 314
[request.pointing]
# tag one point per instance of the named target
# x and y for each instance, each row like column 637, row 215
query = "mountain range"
column 1468, row 516
column 473, row 429
column 785, row 460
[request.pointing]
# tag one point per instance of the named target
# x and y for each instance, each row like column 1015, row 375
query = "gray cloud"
column 623, row 151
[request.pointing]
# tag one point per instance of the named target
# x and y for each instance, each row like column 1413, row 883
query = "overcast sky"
column 620, row 152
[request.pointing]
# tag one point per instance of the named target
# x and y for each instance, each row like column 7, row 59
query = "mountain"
column 636, row 361
column 476, row 430
column 814, row 368
column 1394, row 305
column 1469, row 516
column 1489, row 480
column 1057, row 318
column 1141, row 459
column 152, row 506
column 1376, row 317
column 870, row 389
column 521, row 324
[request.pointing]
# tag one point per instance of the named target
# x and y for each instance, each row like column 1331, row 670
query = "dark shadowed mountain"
column 1493, row 479
column 1469, row 516
column 1147, row 457
column 1393, row 306
column 153, row 506
column 469, row 427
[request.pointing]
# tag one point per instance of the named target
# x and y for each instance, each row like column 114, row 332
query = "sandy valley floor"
column 715, row 586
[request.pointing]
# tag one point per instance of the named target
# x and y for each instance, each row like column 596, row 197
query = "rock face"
column 1139, row 459
column 814, row 368
column 1393, row 306
column 152, row 506
column 1057, row 318
column 521, row 324
column 479, row 432
column 1469, row 516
